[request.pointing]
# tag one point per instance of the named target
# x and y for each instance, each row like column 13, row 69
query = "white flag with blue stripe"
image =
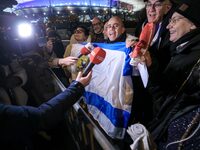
column 109, row 95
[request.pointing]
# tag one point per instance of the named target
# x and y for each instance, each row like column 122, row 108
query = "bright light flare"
column 24, row 30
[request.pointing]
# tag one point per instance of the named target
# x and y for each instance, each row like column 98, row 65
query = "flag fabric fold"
column 109, row 95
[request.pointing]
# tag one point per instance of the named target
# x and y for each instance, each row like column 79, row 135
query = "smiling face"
column 156, row 9
column 79, row 34
column 97, row 25
column 178, row 26
column 115, row 28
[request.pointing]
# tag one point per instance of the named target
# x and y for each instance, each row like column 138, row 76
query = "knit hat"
column 190, row 9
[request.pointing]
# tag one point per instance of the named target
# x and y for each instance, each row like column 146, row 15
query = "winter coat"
column 172, row 97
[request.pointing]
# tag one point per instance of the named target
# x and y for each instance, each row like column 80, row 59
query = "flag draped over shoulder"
column 109, row 95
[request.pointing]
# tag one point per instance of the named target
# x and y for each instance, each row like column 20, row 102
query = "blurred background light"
column 24, row 30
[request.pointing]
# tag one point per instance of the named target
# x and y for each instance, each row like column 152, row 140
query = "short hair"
column 96, row 18
column 118, row 19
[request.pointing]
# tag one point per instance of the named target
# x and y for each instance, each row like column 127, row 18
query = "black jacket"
column 169, row 103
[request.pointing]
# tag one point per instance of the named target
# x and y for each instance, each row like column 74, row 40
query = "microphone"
column 96, row 57
column 86, row 50
column 145, row 39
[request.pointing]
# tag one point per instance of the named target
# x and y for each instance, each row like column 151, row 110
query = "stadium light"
column 24, row 30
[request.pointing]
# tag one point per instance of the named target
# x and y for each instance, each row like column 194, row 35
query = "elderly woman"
column 177, row 94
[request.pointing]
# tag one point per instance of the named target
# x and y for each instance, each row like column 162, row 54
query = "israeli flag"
column 109, row 95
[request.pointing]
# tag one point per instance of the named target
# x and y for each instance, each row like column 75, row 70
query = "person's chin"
column 152, row 20
column 97, row 32
column 112, row 38
column 172, row 39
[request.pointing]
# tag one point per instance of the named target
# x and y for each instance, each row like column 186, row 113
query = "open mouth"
column 172, row 32
column 152, row 15
column 111, row 33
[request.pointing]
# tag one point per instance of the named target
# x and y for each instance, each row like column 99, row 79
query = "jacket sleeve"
column 15, row 119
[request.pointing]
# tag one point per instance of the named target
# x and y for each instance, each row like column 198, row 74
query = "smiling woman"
column 179, row 26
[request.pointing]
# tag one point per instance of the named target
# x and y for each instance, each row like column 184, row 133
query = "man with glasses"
column 116, row 30
column 157, row 9
column 97, row 27
column 158, row 12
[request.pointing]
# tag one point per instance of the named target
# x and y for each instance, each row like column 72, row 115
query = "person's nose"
column 112, row 27
column 169, row 26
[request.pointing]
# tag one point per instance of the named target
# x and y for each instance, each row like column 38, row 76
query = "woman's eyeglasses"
column 175, row 20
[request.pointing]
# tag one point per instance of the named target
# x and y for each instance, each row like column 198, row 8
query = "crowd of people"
column 168, row 107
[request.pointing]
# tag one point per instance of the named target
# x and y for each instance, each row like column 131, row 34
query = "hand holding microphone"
column 84, row 80
column 67, row 61
column 145, row 39
column 86, row 50
column 96, row 57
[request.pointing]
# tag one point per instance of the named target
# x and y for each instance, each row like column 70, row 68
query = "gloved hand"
column 12, row 81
